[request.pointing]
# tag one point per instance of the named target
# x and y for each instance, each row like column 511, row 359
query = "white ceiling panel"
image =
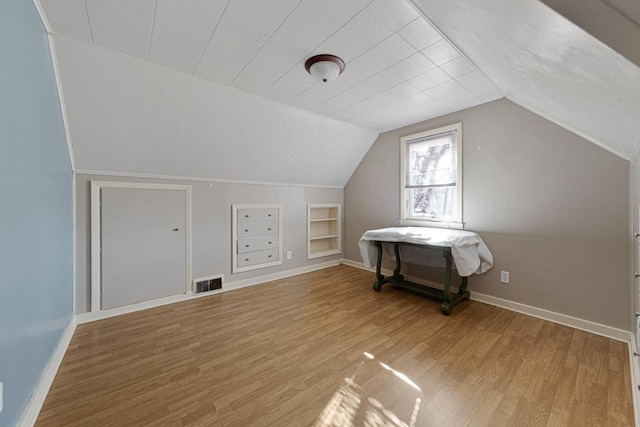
column 419, row 33
column 182, row 30
column 444, row 90
column 285, row 5
column 287, row 88
column 486, row 91
column 334, row 47
column 429, row 79
column 390, row 51
column 458, row 67
column 122, row 25
column 400, row 91
column 471, row 79
column 326, row 16
column 369, row 104
column 315, row 95
column 362, row 33
column 416, row 100
column 392, row 13
column 256, row 17
column 363, row 3
column 411, row 67
column 296, row 37
column 228, row 52
column 440, row 52
column 360, row 69
column 68, row 17
column 269, row 64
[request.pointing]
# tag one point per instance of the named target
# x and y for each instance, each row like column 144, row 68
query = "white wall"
column 211, row 226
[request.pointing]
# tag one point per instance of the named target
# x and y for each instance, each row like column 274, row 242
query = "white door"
column 143, row 245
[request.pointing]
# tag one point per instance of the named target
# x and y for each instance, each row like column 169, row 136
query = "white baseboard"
column 98, row 315
column 34, row 406
column 563, row 319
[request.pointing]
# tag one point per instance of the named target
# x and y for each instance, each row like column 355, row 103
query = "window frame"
column 457, row 222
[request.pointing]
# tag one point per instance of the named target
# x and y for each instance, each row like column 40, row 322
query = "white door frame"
column 96, row 243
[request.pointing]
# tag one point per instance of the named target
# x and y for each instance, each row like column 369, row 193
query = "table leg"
column 396, row 272
column 377, row 286
column 447, row 276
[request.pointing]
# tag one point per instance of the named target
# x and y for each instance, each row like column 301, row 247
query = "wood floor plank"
column 281, row 353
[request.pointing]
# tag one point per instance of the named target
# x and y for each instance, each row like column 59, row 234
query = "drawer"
column 255, row 229
column 252, row 244
column 258, row 215
column 258, row 257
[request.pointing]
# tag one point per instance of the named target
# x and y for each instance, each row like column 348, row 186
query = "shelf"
column 324, row 253
column 323, row 230
column 325, row 236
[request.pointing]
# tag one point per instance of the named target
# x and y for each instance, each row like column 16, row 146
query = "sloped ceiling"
column 400, row 70
column 131, row 118
column 167, row 86
column 547, row 64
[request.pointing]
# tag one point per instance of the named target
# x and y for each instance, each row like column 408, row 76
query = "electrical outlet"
column 504, row 276
column 288, row 254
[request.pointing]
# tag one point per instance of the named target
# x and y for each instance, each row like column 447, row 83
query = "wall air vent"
column 207, row 284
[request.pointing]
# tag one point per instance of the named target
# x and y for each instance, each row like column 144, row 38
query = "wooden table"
column 449, row 300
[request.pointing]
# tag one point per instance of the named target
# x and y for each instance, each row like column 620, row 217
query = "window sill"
column 435, row 224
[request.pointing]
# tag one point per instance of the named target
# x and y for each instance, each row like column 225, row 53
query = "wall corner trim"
column 30, row 415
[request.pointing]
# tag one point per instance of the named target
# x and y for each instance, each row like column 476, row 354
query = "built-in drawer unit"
column 253, row 229
column 258, row 257
column 257, row 215
column 257, row 236
column 252, row 244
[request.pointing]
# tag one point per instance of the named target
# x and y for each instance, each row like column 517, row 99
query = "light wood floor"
column 325, row 349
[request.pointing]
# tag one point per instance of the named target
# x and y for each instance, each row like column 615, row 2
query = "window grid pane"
column 431, row 177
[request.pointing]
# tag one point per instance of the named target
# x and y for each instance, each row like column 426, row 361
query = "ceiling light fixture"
column 324, row 67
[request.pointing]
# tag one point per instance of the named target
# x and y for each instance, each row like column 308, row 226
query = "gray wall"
column 552, row 207
column 211, row 226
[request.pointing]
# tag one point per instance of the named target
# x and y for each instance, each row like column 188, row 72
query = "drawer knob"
column 246, row 216
column 246, row 259
column 246, row 231
column 269, row 215
column 246, row 246
column 269, row 228
column 269, row 242
column 270, row 256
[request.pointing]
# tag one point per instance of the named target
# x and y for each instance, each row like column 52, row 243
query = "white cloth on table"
column 470, row 253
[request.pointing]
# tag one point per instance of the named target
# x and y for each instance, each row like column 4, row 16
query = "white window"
column 432, row 178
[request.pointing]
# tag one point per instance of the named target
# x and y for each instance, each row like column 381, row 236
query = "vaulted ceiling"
column 399, row 67
column 189, row 78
